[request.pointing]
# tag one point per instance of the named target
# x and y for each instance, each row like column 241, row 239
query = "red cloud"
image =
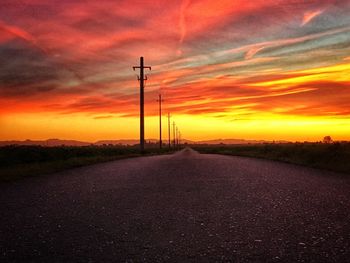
column 226, row 47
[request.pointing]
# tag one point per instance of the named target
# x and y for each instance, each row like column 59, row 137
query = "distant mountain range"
column 58, row 142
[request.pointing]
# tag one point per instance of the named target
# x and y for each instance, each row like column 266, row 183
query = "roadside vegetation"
column 26, row 161
column 331, row 156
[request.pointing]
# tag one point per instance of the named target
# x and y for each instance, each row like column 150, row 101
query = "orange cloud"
column 239, row 59
column 308, row 16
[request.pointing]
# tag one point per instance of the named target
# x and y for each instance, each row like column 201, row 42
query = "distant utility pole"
column 174, row 134
column 177, row 137
column 160, row 120
column 169, row 129
column 142, row 78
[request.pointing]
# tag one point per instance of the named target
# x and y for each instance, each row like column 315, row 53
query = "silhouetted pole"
column 141, row 78
column 160, row 120
column 174, row 134
column 169, row 129
column 177, row 137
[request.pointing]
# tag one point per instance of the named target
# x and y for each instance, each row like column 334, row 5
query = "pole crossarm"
column 144, row 67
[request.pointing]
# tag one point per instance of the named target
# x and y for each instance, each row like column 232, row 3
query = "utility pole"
column 174, row 133
column 160, row 120
column 180, row 138
column 177, row 137
column 142, row 78
column 169, row 130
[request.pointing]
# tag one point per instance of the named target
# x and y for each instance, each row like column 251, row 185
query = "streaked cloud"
column 238, row 59
column 182, row 20
column 308, row 16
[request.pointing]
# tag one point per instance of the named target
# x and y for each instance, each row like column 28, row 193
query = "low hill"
column 58, row 142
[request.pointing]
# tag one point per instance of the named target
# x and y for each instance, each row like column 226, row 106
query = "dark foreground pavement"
column 184, row 207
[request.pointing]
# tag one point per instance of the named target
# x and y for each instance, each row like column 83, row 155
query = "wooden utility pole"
column 177, row 137
column 169, row 144
column 142, row 78
column 174, row 136
column 160, row 120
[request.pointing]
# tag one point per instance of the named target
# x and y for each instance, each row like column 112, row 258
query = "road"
column 184, row 207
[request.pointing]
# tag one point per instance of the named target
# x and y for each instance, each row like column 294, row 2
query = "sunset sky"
column 269, row 69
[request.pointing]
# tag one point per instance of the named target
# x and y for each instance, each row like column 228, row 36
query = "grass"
column 27, row 161
column 334, row 156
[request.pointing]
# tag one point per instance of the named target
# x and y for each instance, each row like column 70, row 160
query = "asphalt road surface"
column 185, row 207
